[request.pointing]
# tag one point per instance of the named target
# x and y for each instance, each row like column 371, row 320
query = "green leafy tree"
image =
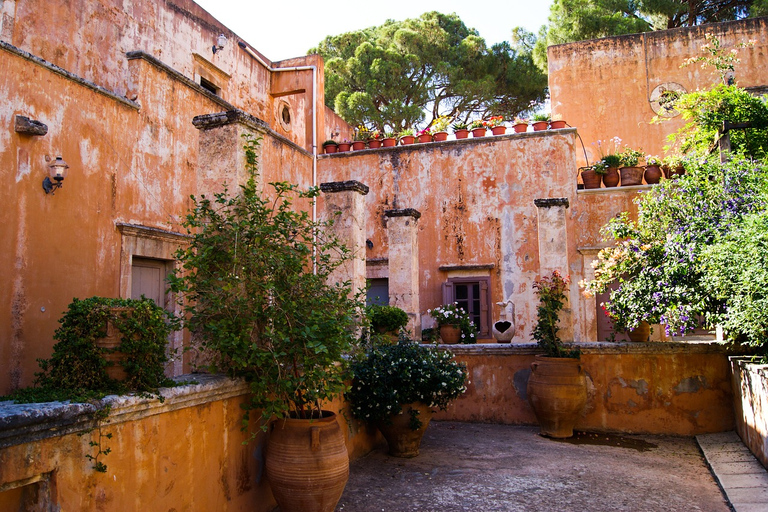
column 389, row 76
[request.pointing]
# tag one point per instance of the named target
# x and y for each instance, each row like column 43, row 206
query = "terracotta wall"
column 476, row 199
column 655, row 388
column 186, row 453
column 603, row 87
column 750, row 387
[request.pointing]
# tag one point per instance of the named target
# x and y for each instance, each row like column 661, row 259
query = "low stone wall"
column 750, row 386
column 187, row 452
column 656, row 388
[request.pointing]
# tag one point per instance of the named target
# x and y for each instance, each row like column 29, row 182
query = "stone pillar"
column 402, row 231
column 553, row 252
column 344, row 203
column 221, row 156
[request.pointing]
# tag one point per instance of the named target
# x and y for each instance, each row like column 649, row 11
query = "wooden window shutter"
column 448, row 293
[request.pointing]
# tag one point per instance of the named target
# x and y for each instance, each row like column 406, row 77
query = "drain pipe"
column 314, row 110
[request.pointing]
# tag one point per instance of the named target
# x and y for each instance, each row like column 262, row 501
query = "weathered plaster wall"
column 476, row 199
column 130, row 162
column 186, row 453
column 658, row 388
column 750, row 387
column 602, row 87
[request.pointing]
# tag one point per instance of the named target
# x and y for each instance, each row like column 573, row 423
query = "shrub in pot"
column 386, row 319
column 256, row 288
column 395, row 387
column 454, row 324
column 557, row 387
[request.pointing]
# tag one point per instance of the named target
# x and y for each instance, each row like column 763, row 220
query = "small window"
column 209, row 86
column 377, row 292
column 286, row 114
column 472, row 294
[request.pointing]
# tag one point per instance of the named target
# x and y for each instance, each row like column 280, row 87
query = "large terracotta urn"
column 557, row 392
column 404, row 440
column 307, row 463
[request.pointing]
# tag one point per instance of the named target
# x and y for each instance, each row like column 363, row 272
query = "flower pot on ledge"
column 440, row 136
column 590, row 178
column 611, row 177
column 498, row 130
column 479, row 132
column 450, row 334
column 358, row 145
column 425, row 137
column 631, row 176
column 540, row 126
column 389, row 142
column 374, row 144
column 520, row 127
column 407, row 139
column 461, row 134
column 556, row 125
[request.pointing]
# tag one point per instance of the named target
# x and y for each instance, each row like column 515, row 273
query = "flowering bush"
column 494, row 121
column 393, row 375
column 630, row 157
column 551, row 292
column 477, row 123
column 452, row 314
column 440, row 124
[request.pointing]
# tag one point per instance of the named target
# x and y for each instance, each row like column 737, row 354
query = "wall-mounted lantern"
column 221, row 42
column 57, row 171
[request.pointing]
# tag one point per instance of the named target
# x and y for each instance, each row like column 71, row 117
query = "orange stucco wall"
column 602, row 87
column 658, row 388
column 186, row 453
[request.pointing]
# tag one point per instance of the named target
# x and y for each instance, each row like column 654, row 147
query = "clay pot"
column 520, row 127
column 389, row 142
column 402, row 440
column 611, row 177
column 540, row 125
column 358, row 145
column 330, row 148
column 557, row 392
column 407, row 139
column 652, row 174
column 374, row 144
column 307, row 463
column 499, row 130
column 590, row 178
column 344, row 146
column 671, row 172
column 440, row 136
column 641, row 333
column 450, row 334
column 461, row 134
column 631, row 176
column 479, row 132
column 556, row 125
column 425, row 137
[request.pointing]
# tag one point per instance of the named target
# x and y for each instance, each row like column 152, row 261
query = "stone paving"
column 483, row 467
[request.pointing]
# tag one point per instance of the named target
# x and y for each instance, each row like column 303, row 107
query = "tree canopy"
column 390, row 76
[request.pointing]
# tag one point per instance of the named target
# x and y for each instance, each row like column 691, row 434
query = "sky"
column 281, row 30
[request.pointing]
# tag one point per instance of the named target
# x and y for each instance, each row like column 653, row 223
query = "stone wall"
column 750, row 387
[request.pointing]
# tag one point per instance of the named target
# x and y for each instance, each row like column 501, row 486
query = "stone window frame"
column 484, row 281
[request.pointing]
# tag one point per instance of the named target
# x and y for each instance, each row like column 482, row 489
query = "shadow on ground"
column 478, row 467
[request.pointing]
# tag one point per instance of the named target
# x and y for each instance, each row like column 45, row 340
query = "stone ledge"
column 344, row 186
column 549, row 202
column 608, row 190
column 23, row 423
column 403, row 212
column 594, row 347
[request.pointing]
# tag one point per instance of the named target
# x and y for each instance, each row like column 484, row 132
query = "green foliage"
column 393, row 375
column 386, row 318
column 630, row 157
column 551, row 292
column 254, row 302
column 452, row 314
column 77, row 368
column 386, row 76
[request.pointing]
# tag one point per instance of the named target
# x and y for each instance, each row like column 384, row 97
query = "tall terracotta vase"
column 403, row 441
column 631, row 176
column 557, row 392
column 611, row 177
column 641, row 333
column 307, row 463
column 450, row 334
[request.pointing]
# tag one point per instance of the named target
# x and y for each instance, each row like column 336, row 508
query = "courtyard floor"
column 482, row 467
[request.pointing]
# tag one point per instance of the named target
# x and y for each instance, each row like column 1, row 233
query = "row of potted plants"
column 623, row 167
column 438, row 132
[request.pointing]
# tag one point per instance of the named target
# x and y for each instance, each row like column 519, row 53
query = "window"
column 473, row 294
column 377, row 292
column 209, row 86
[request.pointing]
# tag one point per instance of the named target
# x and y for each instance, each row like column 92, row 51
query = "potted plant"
column 652, row 169
column 631, row 173
column 609, row 154
column 478, row 128
column 557, row 387
column 439, row 128
column 454, row 324
column 520, row 125
column 387, row 320
column 362, row 136
column 540, row 122
column 389, row 140
column 557, row 122
column 375, row 141
column 255, row 280
column 344, row 146
column 672, row 166
column 330, row 146
column 460, row 129
column 424, row 135
column 592, row 175
column 396, row 387
column 496, row 124
column 407, row 136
